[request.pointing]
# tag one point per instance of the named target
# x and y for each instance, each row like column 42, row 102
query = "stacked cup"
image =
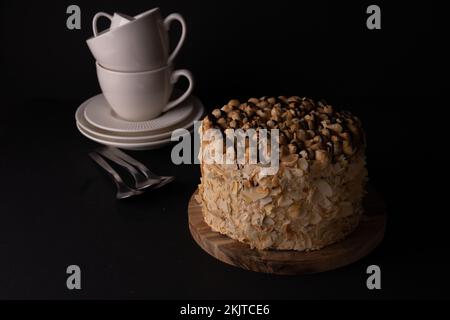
column 134, row 67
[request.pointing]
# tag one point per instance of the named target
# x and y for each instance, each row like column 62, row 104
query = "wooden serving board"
column 358, row 244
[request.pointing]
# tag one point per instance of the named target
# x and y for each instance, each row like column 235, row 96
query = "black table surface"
column 57, row 209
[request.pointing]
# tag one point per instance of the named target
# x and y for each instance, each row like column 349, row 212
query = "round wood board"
column 358, row 244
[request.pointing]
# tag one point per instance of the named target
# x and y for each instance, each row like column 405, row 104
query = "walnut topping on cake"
column 312, row 130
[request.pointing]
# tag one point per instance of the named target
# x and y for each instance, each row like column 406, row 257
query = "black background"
column 57, row 208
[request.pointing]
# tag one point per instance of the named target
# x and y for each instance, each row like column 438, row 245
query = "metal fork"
column 123, row 191
column 146, row 171
column 141, row 181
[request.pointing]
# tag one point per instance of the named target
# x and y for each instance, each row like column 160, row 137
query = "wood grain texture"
column 358, row 244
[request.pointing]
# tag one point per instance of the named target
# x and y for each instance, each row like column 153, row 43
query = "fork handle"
column 111, row 172
column 132, row 161
column 106, row 152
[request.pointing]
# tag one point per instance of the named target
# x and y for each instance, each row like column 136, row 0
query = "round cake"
column 315, row 197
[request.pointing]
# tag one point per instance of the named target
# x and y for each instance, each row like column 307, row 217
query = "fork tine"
column 166, row 180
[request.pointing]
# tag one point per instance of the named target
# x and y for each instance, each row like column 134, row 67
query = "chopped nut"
column 290, row 160
column 303, row 163
column 288, row 135
column 261, row 113
column 325, row 132
column 292, row 148
column 209, row 121
column 336, row 127
column 311, row 125
column 294, row 127
column 317, row 139
column 271, row 123
column 304, row 154
column 287, row 116
column 283, row 139
column 227, row 108
column 284, row 151
column 322, row 156
column 311, row 134
column 234, row 115
column 221, row 121
column 233, row 103
column 346, row 136
column 347, row 148
column 307, row 105
column 308, row 129
column 316, row 146
column 247, row 126
column 301, row 134
column 294, row 104
column 294, row 99
column 327, row 109
column 217, row 113
column 354, row 130
column 262, row 104
column 337, row 148
column 249, row 110
column 275, row 113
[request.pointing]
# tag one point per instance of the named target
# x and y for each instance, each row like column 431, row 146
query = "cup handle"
column 94, row 21
column 167, row 21
column 173, row 79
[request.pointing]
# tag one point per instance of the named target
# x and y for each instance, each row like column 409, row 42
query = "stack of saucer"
column 96, row 121
column 135, row 73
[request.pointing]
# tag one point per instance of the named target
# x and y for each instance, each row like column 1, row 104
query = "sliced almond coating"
column 294, row 210
column 265, row 201
column 252, row 195
column 324, row 188
column 235, row 188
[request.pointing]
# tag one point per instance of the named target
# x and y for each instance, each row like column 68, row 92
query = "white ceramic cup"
column 117, row 20
column 138, row 45
column 140, row 96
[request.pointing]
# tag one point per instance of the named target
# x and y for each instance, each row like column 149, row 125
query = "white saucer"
column 128, row 146
column 136, row 137
column 145, row 140
column 99, row 114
